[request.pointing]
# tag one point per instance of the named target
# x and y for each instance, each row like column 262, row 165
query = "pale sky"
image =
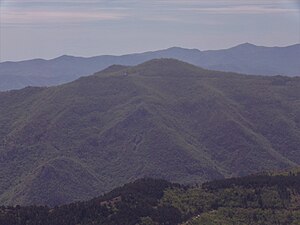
column 50, row 28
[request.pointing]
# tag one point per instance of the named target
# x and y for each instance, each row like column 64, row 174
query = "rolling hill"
column 245, row 58
column 163, row 119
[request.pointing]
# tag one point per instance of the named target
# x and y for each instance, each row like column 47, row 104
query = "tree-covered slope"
column 256, row 199
column 163, row 118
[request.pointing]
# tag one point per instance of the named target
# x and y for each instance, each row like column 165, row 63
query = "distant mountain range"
column 163, row 118
column 245, row 58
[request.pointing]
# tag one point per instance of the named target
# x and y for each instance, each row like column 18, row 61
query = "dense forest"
column 256, row 199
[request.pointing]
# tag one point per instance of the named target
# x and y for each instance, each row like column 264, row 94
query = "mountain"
column 256, row 199
column 245, row 58
column 163, row 119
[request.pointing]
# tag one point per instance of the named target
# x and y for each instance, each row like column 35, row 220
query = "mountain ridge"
column 244, row 58
column 152, row 51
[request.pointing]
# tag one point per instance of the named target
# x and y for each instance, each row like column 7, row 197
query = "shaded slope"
column 61, row 179
column 163, row 118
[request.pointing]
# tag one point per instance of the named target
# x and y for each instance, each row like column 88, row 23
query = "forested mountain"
column 244, row 58
column 256, row 199
column 163, row 118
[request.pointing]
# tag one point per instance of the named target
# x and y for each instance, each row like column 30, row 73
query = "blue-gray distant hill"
column 245, row 58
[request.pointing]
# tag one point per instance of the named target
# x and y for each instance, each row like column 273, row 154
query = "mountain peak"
column 175, row 48
column 163, row 63
column 180, row 50
column 245, row 45
column 167, row 67
column 64, row 57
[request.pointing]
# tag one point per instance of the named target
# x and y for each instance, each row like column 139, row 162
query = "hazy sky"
column 49, row 28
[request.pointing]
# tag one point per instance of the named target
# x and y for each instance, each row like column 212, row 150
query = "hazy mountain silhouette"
column 245, row 58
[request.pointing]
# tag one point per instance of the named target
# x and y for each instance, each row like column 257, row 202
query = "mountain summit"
column 246, row 45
